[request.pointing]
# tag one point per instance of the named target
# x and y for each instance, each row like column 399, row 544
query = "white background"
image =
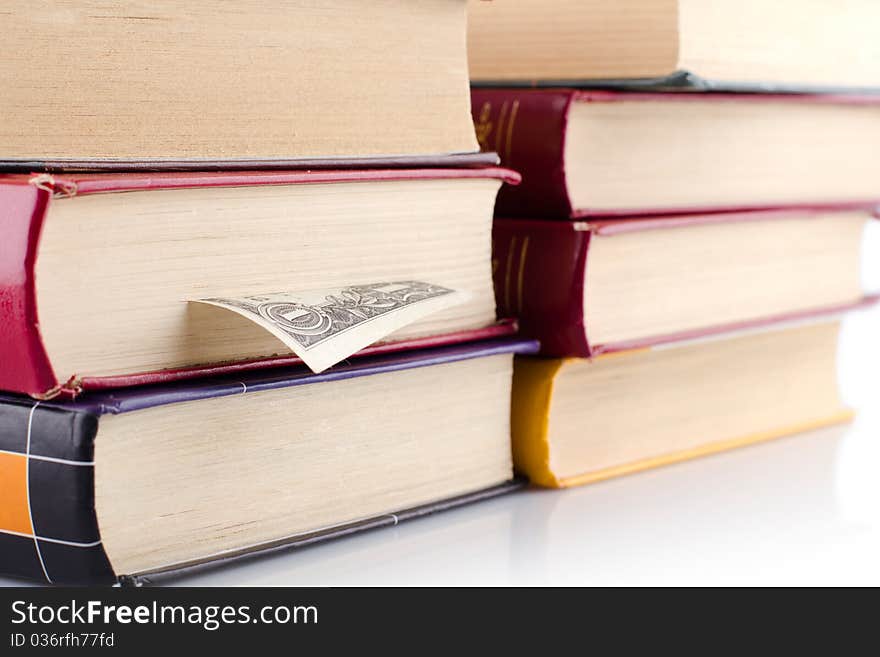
column 803, row 510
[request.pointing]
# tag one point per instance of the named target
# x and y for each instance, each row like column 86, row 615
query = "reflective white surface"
column 797, row 511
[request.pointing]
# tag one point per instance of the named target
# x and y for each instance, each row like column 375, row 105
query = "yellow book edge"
column 703, row 450
column 529, row 417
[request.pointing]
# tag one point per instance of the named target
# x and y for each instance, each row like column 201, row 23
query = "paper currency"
column 324, row 327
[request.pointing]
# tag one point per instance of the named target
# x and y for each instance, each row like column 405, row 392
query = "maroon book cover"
column 540, row 268
column 25, row 365
column 528, row 127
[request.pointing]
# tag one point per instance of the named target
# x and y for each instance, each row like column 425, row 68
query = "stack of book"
column 197, row 188
column 697, row 179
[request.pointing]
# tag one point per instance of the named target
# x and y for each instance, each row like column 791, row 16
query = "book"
column 588, row 288
column 97, row 269
column 723, row 44
column 577, row 421
column 136, row 484
column 601, row 153
column 324, row 83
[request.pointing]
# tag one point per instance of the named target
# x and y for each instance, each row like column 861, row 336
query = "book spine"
column 532, row 392
column 538, row 270
column 48, row 527
column 24, row 364
column 527, row 130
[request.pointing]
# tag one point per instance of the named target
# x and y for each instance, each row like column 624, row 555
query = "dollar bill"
column 324, row 327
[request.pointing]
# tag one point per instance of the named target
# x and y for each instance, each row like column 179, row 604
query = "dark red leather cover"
column 527, row 127
column 24, row 201
column 69, row 185
column 24, row 365
column 539, row 270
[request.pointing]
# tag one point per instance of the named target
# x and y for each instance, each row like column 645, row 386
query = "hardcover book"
column 588, row 288
column 577, row 421
column 201, row 84
column 152, row 481
column 794, row 45
column 96, row 269
column 602, row 153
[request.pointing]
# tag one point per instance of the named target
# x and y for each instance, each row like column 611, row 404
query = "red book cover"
column 540, row 269
column 25, row 366
column 527, row 127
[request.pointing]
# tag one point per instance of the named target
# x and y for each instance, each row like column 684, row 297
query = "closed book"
column 140, row 483
column 96, row 269
column 795, row 45
column 578, row 421
column 234, row 85
column 603, row 153
column 585, row 288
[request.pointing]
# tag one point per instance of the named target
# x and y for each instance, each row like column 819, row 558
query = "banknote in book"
column 324, row 327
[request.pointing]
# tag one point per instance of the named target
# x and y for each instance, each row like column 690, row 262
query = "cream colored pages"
column 90, row 79
column 148, row 253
